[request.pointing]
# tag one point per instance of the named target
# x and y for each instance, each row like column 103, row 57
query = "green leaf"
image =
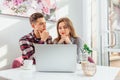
column 87, row 49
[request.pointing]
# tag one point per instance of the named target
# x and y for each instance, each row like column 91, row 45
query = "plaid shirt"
column 27, row 44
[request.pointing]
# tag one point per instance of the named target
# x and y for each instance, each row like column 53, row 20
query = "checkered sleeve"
column 27, row 48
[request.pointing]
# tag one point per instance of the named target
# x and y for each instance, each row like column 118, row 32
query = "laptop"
column 56, row 57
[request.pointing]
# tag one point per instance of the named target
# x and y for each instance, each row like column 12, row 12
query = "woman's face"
column 63, row 29
column 40, row 24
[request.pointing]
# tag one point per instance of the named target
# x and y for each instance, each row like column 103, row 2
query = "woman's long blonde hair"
column 69, row 24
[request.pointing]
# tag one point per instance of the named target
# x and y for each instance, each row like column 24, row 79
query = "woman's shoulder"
column 76, row 38
column 79, row 38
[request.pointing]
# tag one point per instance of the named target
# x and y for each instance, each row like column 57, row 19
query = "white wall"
column 73, row 10
column 12, row 28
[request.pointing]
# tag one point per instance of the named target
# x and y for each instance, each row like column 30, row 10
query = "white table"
column 103, row 73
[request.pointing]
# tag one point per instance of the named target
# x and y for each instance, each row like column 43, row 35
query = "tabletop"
column 102, row 73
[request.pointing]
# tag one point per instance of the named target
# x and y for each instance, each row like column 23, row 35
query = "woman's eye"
column 59, row 28
column 65, row 27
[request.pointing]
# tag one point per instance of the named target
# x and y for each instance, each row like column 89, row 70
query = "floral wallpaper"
column 26, row 7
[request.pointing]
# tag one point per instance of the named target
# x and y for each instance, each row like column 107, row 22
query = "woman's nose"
column 62, row 29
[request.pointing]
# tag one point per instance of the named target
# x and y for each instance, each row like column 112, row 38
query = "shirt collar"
column 33, row 34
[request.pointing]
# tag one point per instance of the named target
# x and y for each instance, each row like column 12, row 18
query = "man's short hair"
column 35, row 16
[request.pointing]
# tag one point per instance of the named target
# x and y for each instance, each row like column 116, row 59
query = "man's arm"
column 27, row 48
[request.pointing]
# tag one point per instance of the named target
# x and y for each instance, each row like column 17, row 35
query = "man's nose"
column 44, row 27
column 44, row 23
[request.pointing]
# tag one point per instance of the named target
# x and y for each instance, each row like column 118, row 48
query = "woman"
column 67, row 35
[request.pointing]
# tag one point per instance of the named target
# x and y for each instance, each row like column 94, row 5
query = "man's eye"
column 65, row 27
column 42, row 23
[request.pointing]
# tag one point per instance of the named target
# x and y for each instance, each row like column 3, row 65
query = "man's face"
column 39, row 25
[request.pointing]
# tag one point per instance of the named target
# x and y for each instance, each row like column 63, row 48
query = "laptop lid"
column 56, row 57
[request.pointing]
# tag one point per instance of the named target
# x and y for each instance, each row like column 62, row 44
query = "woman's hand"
column 65, row 39
column 61, row 41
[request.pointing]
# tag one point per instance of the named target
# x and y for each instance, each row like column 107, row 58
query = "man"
column 39, row 35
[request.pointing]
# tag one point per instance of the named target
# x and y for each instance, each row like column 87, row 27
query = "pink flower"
column 6, row 3
column 17, row 2
column 46, row 10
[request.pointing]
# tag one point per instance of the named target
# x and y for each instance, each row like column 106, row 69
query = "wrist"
column 41, row 42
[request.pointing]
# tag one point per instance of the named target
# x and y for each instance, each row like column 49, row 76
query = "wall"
column 12, row 28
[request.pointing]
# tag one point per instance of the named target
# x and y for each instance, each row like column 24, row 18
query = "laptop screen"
column 56, row 57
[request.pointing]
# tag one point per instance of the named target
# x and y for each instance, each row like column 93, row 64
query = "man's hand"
column 44, row 35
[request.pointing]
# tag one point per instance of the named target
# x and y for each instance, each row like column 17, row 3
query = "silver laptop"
column 56, row 57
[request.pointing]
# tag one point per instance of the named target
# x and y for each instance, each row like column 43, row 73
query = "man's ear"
column 33, row 25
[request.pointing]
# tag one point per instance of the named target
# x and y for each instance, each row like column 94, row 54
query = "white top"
column 103, row 73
